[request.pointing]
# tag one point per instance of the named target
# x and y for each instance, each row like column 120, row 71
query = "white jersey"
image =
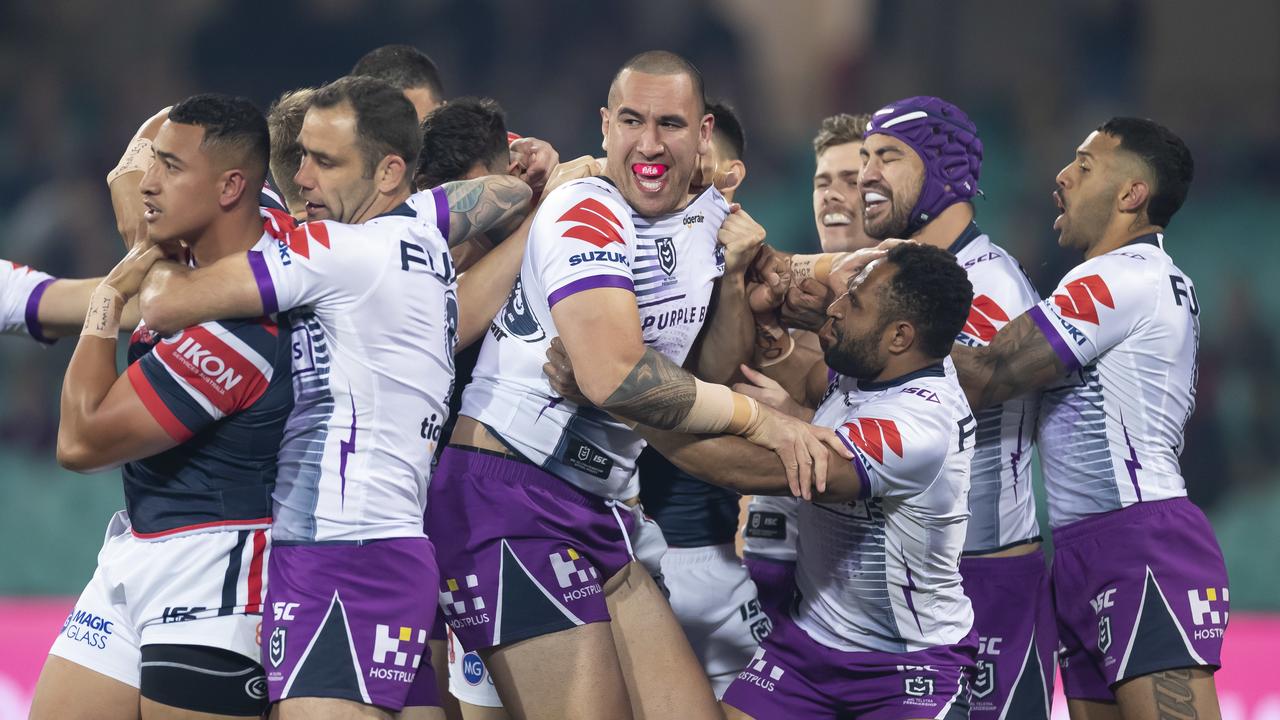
column 584, row 237
column 373, row 312
column 1001, row 505
column 882, row 573
column 770, row 530
column 1126, row 324
column 21, row 288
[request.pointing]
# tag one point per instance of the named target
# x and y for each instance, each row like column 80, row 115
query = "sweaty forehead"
column 654, row 94
column 332, row 128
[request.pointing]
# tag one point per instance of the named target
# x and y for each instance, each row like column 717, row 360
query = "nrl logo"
column 984, row 680
column 667, row 255
column 275, row 651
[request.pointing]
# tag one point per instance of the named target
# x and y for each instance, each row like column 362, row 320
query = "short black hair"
column 1164, row 154
column 663, row 62
column 458, row 135
column 401, row 66
column 231, row 124
column 386, row 123
column 728, row 127
column 931, row 291
column 284, row 120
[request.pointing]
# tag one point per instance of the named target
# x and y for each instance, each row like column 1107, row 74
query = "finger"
column 789, row 467
column 833, row 441
column 734, row 207
column 750, row 391
column 804, row 472
column 819, row 453
column 759, row 378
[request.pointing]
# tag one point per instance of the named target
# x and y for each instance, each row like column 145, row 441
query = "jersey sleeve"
column 21, row 288
column 581, row 239
column 317, row 263
column 898, row 447
column 432, row 206
column 205, row 373
column 1095, row 307
column 1001, row 292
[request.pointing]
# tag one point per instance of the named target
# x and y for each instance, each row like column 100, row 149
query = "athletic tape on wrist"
column 136, row 158
column 817, row 267
column 103, row 318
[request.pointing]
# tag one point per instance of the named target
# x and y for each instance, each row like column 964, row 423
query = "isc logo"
column 1105, row 599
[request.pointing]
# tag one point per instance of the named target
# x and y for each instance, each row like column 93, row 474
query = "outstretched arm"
column 1019, row 359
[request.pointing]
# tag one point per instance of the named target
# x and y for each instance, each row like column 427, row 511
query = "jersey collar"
column 971, row 233
column 934, row 370
column 1156, row 239
column 403, row 210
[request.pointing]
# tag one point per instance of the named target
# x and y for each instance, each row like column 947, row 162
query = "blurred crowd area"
column 77, row 77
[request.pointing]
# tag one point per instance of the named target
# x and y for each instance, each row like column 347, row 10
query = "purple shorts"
column 351, row 621
column 1137, row 591
column 793, row 676
column 1017, row 635
column 522, row 553
column 775, row 583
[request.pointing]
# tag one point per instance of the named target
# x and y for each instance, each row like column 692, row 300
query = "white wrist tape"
column 717, row 409
column 137, row 158
column 103, row 318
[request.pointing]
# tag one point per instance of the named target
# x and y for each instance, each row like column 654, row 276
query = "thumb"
column 758, row 378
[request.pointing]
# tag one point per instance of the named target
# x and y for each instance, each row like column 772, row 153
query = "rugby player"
column 710, row 591
column 539, row 578
column 284, row 120
column 1139, row 583
column 922, row 158
column 45, row 307
column 881, row 627
column 370, row 290
column 168, row 626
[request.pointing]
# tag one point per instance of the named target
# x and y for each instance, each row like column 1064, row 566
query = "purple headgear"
column 945, row 139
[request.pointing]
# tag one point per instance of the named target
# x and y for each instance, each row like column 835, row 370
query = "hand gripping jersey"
column 585, row 236
column 882, row 573
column 373, row 316
column 1001, row 506
column 21, row 288
column 1126, row 324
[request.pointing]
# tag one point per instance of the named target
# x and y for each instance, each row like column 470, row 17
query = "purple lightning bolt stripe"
column 909, row 588
column 1131, row 464
column 1016, row 455
column 346, row 448
column 554, row 402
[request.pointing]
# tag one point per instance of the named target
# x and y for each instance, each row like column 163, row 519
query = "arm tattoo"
column 492, row 207
column 656, row 392
column 1175, row 699
column 769, row 341
column 1018, row 360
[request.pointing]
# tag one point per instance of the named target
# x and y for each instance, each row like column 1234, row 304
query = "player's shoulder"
column 592, row 194
column 711, row 204
column 253, row 339
column 1132, row 269
column 930, row 394
column 590, row 210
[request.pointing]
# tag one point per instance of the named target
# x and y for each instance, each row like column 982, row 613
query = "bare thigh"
column 152, row 710
column 440, row 665
column 67, row 691
column 572, row 673
column 1092, row 710
column 479, row 712
column 310, row 708
column 1179, row 694
column 664, row 678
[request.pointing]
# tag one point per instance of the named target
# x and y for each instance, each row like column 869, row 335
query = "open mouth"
column 873, row 202
column 152, row 212
column 651, row 177
column 1062, row 210
column 314, row 208
column 836, row 218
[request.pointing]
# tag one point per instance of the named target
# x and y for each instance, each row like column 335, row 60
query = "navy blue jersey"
column 690, row 512
column 222, row 390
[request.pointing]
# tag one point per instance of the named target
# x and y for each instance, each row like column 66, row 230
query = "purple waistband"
column 1127, row 516
column 493, row 467
column 1030, row 564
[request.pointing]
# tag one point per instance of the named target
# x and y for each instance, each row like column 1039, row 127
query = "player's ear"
column 903, row 337
column 705, row 128
column 1134, row 195
column 231, row 187
column 732, row 177
column 390, row 173
column 604, row 129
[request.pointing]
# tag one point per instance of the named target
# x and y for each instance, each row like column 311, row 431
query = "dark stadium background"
column 77, row 77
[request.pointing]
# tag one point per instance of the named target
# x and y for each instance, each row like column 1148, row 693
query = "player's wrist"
column 106, row 306
column 136, row 158
column 817, row 266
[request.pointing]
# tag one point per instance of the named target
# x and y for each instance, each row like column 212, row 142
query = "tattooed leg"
column 1179, row 694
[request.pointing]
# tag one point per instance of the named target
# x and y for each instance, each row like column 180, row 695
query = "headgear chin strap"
column 946, row 140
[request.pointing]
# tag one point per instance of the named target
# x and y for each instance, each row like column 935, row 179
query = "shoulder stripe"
column 590, row 283
column 151, row 400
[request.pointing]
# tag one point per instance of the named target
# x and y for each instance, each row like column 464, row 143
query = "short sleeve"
column 581, row 239
column 21, row 289
column 1000, row 293
column 1097, row 305
column 897, row 454
column 205, row 373
column 317, row 263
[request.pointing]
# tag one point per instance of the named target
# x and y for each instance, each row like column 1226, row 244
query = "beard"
column 856, row 357
column 895, row 224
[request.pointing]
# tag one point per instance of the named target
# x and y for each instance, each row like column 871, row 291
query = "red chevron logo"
column 1078, row 303
column 983, row 317
column 870, row 435
column 594, row 223
column 299, row 237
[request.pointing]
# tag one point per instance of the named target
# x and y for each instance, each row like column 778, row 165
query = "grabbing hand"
column 575, row 169
column 126, row 277
column 806, row 305
column 768, row 280
column 532, row 160
column 802, row 448
column 741, row 236
column 767, row 391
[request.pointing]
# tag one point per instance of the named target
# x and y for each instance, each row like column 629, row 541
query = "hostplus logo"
column 453, row 601
column 396, row 649
column 1209, row 606
column 761, row 672
column 575, row 575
